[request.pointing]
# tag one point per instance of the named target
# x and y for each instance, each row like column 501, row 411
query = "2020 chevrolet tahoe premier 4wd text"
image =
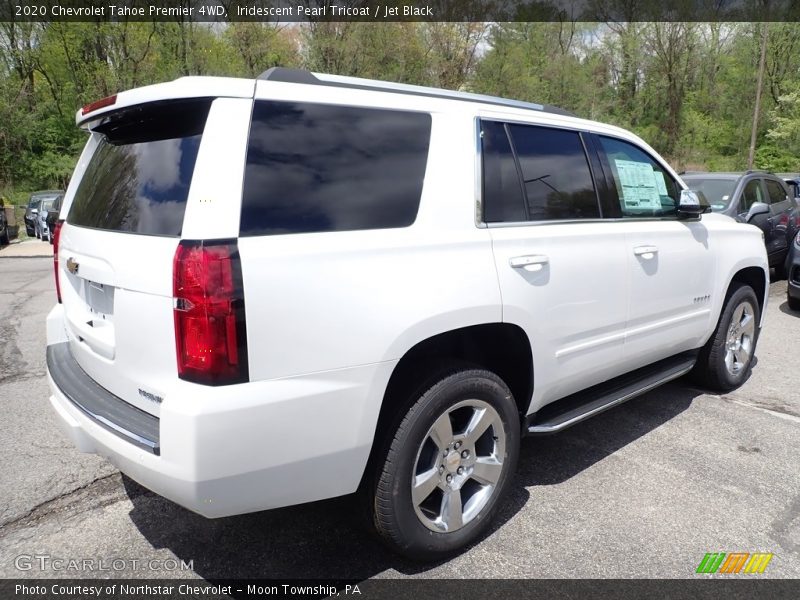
column 303, row 286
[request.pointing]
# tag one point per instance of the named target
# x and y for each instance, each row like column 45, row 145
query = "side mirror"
column 692, row 204
column 757, row 208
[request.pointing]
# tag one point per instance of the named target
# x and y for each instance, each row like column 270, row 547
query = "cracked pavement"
column 643, row 490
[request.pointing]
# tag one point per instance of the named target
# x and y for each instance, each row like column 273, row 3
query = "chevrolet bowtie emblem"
column 72, row 265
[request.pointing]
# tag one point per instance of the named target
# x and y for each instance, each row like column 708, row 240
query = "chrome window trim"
column 579, row 221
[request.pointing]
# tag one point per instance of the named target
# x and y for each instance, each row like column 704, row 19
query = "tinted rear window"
column 138, row 179
column 315, row 167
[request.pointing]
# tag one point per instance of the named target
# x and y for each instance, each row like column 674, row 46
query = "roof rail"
column 285, row 75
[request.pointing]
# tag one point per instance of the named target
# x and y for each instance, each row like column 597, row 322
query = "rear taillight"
column 210, row 335
column 56, row 236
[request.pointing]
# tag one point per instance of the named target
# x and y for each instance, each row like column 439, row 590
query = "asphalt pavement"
column 642, row 491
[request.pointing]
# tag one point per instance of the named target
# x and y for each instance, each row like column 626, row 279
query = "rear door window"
column 555, row 173
column 138, row 178
column 319, row 167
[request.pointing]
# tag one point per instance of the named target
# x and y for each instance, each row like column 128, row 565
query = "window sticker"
column 661, row 184
column 638, row 181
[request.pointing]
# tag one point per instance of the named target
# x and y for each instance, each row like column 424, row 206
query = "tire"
column 476, row 471
column 793, row 303
column 30, row 231
column 722, row 364
column 4, row 237
column 780, row 272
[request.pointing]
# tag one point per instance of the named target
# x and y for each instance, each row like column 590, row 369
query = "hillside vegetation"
column 689, row 89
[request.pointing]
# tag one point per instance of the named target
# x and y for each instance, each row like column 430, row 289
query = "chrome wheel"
column 458, row 466
column 739, row 341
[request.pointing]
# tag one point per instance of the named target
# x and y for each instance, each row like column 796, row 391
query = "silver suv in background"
column 33, row 208
column 47, row 206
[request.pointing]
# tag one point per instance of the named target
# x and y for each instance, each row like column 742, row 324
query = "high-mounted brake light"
column 56, row 237
column 210, row 335
column 97, row 105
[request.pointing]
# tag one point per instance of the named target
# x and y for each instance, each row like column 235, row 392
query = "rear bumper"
column 101, row 406
column 234, row 449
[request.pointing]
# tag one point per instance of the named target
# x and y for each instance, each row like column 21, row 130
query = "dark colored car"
column 3, row 227
column 793, row 274
column 792, row 181
column 33, row 209
column 52, row 217
column 756, row 197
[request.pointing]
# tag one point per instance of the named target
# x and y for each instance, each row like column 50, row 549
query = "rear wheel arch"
column 502, row 348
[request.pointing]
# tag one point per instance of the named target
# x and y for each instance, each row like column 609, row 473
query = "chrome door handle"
column 531, row 262
column 645, row 251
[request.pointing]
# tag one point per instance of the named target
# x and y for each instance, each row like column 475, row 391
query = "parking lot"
column 644, row 490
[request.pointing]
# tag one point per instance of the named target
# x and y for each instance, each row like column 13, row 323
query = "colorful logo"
column 734, row 562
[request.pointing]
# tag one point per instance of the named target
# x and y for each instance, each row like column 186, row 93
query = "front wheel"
column 725, row 361
column 448, row 466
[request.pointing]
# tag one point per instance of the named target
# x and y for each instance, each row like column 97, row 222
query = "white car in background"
column 280, row 290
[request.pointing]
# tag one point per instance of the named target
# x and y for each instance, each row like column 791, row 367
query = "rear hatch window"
column 138, row 178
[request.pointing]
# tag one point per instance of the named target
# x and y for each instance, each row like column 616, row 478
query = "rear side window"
column 138, row 178
column 317, row 167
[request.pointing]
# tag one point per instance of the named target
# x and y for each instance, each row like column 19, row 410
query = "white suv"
column 303, row 286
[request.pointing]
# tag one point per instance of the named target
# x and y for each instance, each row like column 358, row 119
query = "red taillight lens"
column 56, row 233
column 210, row 335
column 97, row 105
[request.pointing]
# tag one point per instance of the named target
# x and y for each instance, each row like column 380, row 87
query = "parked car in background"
column 52, row 217
column 793, row 274
column 33, row 208
column 756, row 197
column 3, row 227
column 46, row 206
